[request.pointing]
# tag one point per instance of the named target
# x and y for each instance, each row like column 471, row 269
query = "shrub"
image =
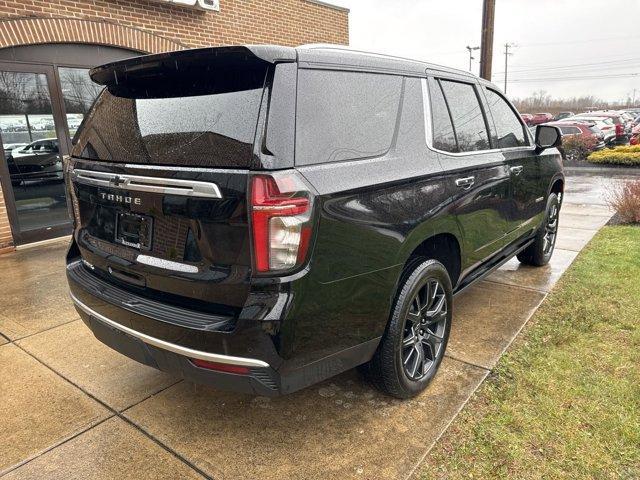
column 577, row 147
column 628, row 155
column 624, row 198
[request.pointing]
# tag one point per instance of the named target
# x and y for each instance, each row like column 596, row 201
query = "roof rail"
column 347, row 48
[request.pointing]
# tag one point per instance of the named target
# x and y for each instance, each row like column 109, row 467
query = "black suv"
column 261, row 218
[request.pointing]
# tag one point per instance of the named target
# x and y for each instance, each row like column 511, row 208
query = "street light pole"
column 471, row 49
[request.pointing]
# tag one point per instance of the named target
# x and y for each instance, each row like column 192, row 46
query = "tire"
column 540, row 251
column 422, row 321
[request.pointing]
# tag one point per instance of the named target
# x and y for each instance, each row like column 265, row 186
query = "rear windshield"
column 201, row 120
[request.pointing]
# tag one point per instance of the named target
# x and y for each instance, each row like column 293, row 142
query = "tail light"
column 281, row 221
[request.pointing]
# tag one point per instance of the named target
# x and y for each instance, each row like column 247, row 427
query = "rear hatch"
column 158, row 174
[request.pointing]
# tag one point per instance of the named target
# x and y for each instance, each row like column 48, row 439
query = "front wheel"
column 540, row 251
column 414, row 343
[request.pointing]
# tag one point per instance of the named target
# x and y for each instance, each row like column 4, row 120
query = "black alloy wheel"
column 540, row 251
column 550, row 230
column 413, row 345
column 425, row 324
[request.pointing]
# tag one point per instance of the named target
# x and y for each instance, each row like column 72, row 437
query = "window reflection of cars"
column 9, row 147
column 37, row 161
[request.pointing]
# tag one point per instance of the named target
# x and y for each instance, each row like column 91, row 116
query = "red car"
column 527, row 117
column 635, row 135
column 539, row 118
column 587, row 129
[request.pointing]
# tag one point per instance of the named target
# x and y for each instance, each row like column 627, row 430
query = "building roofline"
column 329, row 5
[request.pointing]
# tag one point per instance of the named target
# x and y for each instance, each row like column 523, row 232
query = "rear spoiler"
column 167, row 65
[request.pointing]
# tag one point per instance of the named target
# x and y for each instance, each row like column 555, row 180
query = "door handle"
column 517, row 170
column 465, row 182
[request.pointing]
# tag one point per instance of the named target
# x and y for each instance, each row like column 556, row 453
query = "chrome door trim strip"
column 172, row 347
column 139, row 183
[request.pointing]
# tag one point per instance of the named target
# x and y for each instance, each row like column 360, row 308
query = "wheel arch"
column 557, row 186
column 444, row 247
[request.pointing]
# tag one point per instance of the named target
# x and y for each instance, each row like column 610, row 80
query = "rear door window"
column 509, row 131
column 345, row 115
column 467, row 116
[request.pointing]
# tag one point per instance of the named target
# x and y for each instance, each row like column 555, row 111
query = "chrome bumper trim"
column 172, row 347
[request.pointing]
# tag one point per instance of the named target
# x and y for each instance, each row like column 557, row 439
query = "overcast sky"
column 557, row 39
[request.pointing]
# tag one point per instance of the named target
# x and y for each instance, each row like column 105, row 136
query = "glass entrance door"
column 34, row 139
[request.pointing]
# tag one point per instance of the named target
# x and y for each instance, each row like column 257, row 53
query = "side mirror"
column 547, row 136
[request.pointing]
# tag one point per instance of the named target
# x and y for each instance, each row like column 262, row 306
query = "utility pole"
column 471, row 49
column 486, row 44
column 507, row 46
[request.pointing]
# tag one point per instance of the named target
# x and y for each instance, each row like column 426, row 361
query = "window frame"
column 427, row 101
column 525, row 130
column 427, row 83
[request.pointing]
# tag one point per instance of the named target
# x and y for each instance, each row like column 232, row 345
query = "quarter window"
column 509, row 132
column 444, row 137
column 345, row 115
column 466, row 113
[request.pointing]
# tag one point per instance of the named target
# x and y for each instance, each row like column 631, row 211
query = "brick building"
column 47, row 47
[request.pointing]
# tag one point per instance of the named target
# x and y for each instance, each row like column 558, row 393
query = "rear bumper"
column 169, row 338
column 173, row 359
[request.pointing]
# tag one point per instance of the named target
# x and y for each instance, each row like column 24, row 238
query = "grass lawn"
column 564, row 402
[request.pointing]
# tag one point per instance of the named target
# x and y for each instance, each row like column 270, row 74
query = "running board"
column 476, row 277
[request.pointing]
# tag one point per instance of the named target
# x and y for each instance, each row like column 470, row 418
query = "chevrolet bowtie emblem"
column 117, row 181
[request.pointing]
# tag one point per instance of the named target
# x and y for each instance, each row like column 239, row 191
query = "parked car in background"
column 10, row 147
column 37, row 161
column 634, row 112
column 605, row 123
column 563, row 115
column 635, row 135
column 526, row 117
column 579, row 139
column 219, row 252
column 628, row 120
column 582, row 129
column 539, row 118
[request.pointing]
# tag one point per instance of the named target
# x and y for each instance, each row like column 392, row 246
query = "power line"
column 605, row 64
column 578, row 78
column 572, row 42
column 618, row 70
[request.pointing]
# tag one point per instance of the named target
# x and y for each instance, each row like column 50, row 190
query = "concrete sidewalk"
column 72, row 408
